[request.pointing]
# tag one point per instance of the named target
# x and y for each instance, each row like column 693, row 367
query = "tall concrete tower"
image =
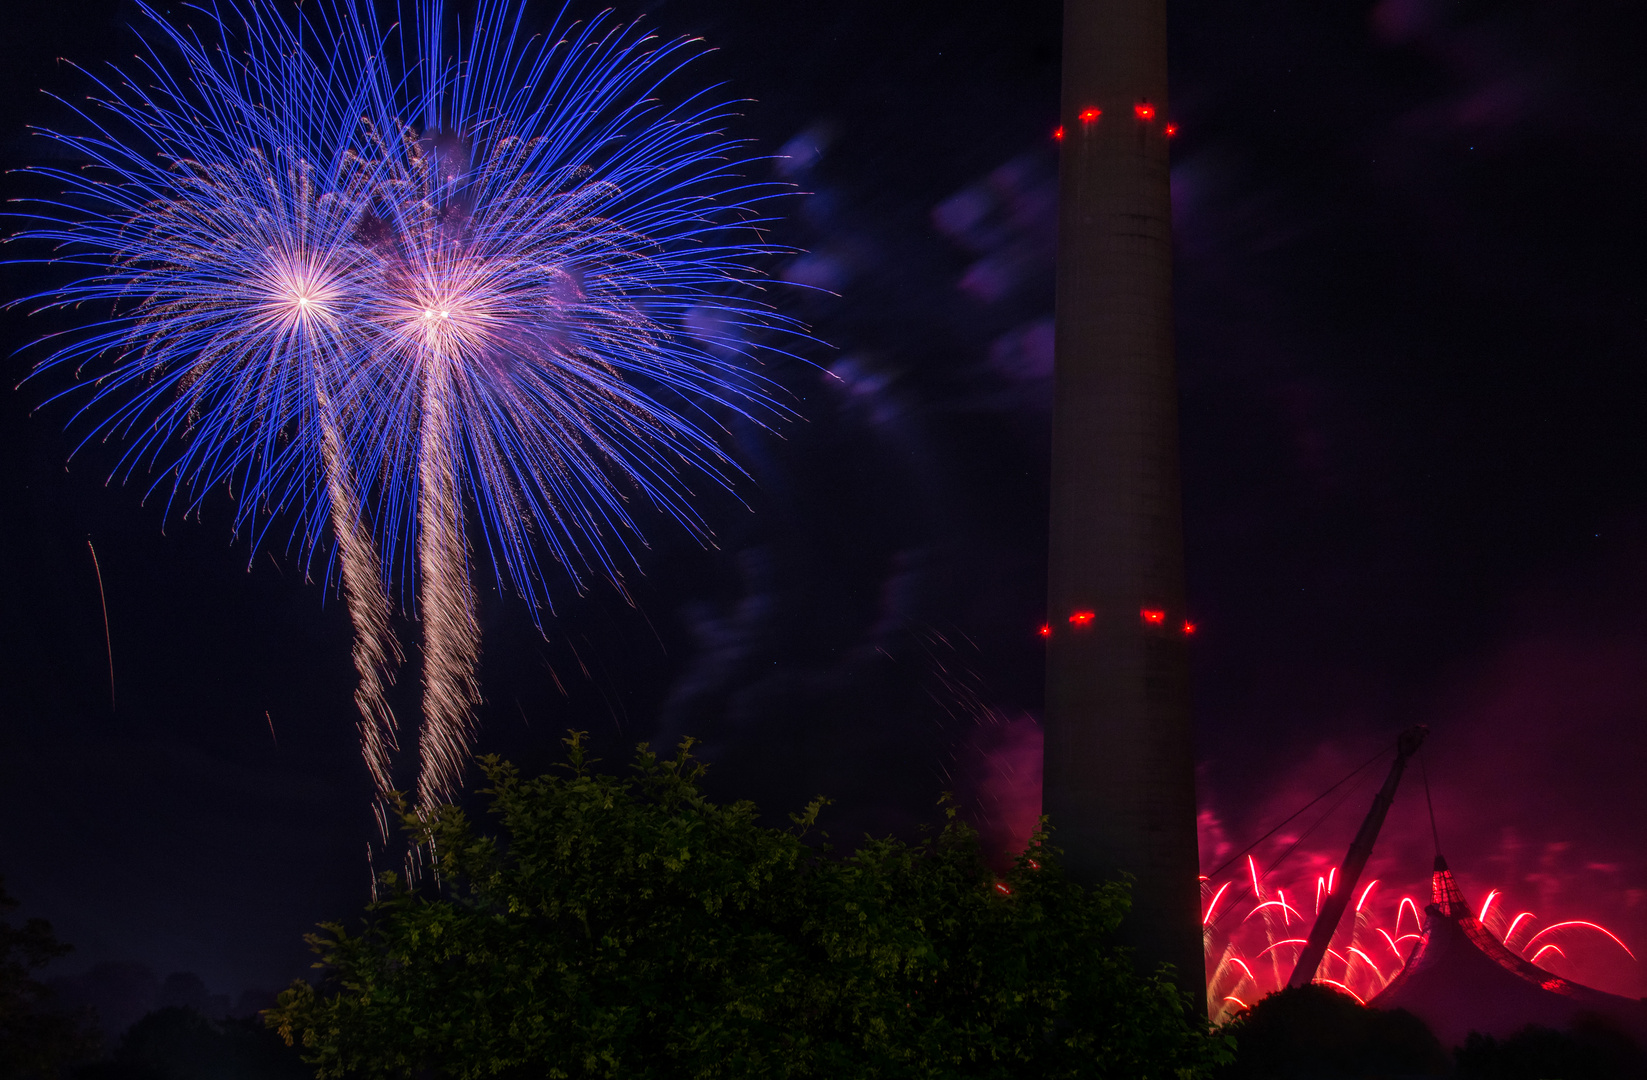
column 1119, row 776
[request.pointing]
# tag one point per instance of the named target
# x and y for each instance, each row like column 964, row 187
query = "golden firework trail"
column 375, row 650
column 446, row 602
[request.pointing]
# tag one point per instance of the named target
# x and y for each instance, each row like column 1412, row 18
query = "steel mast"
column 1355, row 860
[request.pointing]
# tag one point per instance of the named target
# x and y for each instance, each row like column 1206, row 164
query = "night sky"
column 1412, row 319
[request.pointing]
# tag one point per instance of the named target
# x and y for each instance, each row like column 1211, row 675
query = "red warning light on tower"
column 1089, row 115
column 1171, row 129
column 1189, row 628
column 1152, row 616
column 1059, row 132
column 1144, row 111
column 1046, row 630
column 1082, row 618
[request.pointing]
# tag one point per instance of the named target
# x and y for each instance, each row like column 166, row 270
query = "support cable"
column 1286, row 854
column 1434, row 833
column 1283, row 823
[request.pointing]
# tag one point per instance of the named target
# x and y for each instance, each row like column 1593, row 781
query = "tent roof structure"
column 1459, row 978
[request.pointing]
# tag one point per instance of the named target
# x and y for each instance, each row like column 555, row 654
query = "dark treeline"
column 121, row 993
column 122, row 1021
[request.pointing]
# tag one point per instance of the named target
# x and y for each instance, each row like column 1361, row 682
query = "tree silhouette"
column 35, row 1040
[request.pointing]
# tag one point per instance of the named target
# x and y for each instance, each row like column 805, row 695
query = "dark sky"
column 1412, row 316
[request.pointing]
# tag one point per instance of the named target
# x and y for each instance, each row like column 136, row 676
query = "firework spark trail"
column 375, row 651
column 1514, row 924
column 103, row 599
column 316, row 303
column 1235, row 978
column 451, row 640
column 1587, row 925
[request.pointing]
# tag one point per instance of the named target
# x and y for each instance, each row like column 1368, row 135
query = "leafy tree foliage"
column 629, row 927
column 35, row 1040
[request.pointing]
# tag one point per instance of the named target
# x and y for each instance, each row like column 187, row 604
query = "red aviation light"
column 1153, row 617
column 1172, row 129
column 1089, row 115
column 1059, row 133
column 1189, row 628
column 1046, row 630
column 1082, row 618
column 1144, row 111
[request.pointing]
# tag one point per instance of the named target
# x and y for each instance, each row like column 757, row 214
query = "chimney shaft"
column 1119, row 774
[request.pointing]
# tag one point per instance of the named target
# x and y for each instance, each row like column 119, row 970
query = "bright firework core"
column 301, row 294
column 451, row 325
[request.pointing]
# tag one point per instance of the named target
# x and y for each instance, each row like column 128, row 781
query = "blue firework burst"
column 410, row 285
